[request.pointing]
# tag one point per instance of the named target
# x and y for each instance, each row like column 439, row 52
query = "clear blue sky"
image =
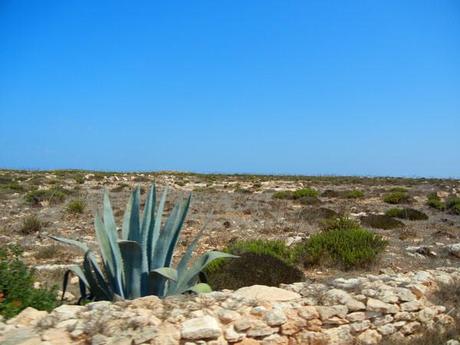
column 301, row 87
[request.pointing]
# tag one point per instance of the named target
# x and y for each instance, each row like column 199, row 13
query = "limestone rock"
column 370, row 337
column 379, row 306
column 268, row 293
column 205, row 327
column 28, row 317
column 337, row 296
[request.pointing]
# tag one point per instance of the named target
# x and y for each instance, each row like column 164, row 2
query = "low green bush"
column 304, row 192
column 348, row 249
column 17, row 290
column 353, row 194
column 309, row 200
column 252, row 269
column 381, row 221
column 297, row 194
column 406, row 213
column 434, row 201
column 30, row 225
column 397, row 197
column 265, row 262
column 399, row 189
column 76, row 206
column 284, row 194
column 318, row 215
column 453, row 204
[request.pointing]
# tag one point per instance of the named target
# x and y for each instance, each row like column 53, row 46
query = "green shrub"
column 434, row 201
column 381, row 221
column 13, row 186
column 399, row 189
column 79, row 179
column 17, row 290
column 275, row 248
column 313, row 214
column 397, row 197
column 282, row 195
column 76, row 206
column 351, row 248
column 297, row 194
column 53, row 195
column 406, row 213
column 252, row 268
column 304, row 192
column 453, row 204
column 353, row 194
column 30, row 225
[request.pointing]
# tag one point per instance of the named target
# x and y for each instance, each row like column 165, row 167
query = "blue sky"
column 300, row 87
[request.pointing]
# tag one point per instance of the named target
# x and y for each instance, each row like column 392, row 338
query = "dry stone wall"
column 361, row 310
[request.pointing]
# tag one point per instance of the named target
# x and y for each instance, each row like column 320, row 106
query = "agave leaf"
column 170, row 234
column 167, row 272
column 146, row 227
column 152, row 251
column 111, row 229
column 97, row 291
column 81, row 278
column 134, row 232
column 200, row 288
column 188, row 279
column 183, row 263
column 176, row 232
column 107, row 251
column 131, row 253
column 77, row 244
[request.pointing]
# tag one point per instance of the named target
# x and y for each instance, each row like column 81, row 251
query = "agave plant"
column 138, row 261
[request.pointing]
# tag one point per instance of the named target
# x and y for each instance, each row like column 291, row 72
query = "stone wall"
column 360, row 310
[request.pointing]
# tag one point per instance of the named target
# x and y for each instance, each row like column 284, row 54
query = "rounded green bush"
column 398, row 197
column 380, row 221
column 348, row 249
column 406, row 213
column 251, row 269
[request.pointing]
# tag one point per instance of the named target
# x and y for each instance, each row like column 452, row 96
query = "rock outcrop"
column 367, row 309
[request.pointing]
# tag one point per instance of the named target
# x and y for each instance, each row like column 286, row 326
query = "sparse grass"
column 380, row 221
column 76, row 206
column 47, row 252
column 340, row 223
column 31, row 225
column 406, row 213
column 54, row 195
column 120, row 187
column 396, row 197
column 346, row 248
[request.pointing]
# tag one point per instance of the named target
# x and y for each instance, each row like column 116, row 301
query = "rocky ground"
column 242, row 207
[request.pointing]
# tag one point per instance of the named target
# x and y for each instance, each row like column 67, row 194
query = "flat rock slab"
column 267, row 293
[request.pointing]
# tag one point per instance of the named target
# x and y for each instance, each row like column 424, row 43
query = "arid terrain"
column 238, row 207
